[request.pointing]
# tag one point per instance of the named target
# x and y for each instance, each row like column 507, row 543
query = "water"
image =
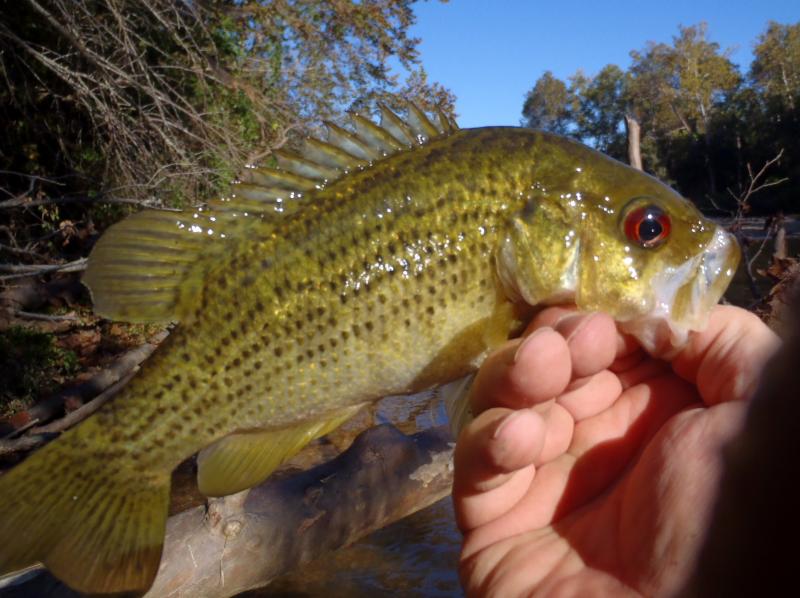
column 417, row 556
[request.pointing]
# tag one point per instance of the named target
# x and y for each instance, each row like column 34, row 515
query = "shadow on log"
column 241, row 542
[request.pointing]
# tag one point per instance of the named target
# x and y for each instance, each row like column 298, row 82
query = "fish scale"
column 273, row 362
column 297, row 306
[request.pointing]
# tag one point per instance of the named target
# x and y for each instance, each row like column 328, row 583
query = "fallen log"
column 242, row 541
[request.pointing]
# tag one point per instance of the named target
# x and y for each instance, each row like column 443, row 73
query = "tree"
column 166, row 99
column 548, row 106
column 678, row 89
column 601, row 106
column 776, row 68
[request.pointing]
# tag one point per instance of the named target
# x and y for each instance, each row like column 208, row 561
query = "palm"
column 624, row 464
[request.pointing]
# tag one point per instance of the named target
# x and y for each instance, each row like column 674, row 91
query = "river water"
column 418, row 556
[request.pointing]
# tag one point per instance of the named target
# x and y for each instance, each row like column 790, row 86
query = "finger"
column 569, row 322
column 604, row 446
column 726, row 359
column 523, row 372
column 589, row 396
column 629, row 353
column 592, row 339
column 559, row 426
column 550, row 316
column 494, row 463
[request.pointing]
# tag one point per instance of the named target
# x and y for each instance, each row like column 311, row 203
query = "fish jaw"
column 685, row 295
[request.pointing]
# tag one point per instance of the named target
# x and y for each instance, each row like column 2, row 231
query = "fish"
column 387, row 259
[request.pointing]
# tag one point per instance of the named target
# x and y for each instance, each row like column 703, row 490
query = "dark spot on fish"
column 369, row 326
column 237, row 362
column 169, row 385
column 407, row 323
column 278, row 351
column 430, row 310
column 225, row 341
column 265, row 263
column 185, row 356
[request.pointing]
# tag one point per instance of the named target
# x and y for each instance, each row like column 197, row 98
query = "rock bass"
column 386, row 260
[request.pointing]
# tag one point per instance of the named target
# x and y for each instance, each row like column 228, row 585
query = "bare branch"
column 21, row 270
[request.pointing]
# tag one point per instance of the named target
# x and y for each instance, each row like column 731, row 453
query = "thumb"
column 726, row 359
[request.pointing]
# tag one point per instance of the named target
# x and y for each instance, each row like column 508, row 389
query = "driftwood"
column 245, row 540
column 96, row 391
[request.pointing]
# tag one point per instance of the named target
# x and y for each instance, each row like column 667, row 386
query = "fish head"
column 656, row 264
column 614, row 239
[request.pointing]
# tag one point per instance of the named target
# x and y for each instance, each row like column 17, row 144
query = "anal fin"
column 243, row 459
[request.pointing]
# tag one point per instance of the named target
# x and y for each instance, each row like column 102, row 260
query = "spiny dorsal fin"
column 144, row 270
column 397, row 126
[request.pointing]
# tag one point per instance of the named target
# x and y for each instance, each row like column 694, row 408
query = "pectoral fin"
column 244, row 459
column 456, row 402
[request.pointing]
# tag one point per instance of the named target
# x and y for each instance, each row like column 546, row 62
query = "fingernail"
column 528, row 341
column 505, row 423
column 586, row 318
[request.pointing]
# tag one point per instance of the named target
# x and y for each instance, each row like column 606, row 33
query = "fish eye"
column 648, row 226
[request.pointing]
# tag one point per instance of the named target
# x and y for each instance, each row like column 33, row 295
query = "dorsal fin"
column 144, row 271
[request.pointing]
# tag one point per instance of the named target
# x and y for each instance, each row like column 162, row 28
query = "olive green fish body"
column 303, row 296
column 395, row 291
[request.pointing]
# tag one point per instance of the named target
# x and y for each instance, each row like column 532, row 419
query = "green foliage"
column 548, row 105
column 31, row 364
column 703, row 123
column 161, row 102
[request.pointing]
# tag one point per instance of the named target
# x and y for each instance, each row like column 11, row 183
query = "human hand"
column 604, row 490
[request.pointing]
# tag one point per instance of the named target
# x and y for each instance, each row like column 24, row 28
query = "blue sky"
column 490, row 52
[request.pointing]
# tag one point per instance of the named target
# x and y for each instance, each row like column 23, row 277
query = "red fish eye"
column 647, row 226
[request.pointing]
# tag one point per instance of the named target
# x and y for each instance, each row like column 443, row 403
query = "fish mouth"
column 685, row 295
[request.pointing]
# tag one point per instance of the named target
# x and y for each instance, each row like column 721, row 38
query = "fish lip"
column 705, row 278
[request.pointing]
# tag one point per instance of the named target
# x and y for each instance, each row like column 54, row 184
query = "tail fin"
column 98, row 528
